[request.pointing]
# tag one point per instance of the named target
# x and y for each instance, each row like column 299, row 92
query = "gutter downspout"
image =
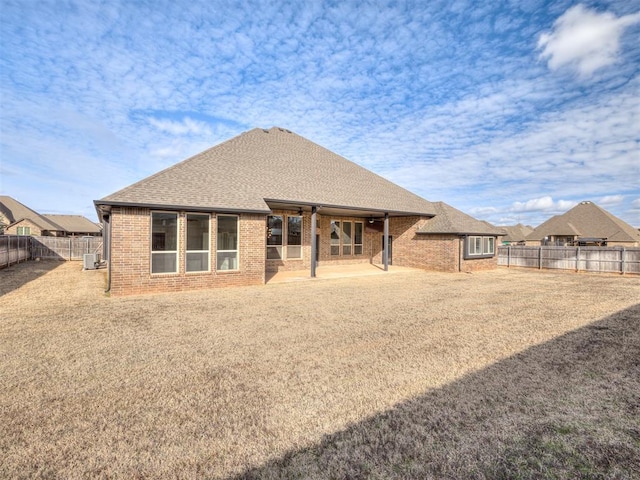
column 107, row 220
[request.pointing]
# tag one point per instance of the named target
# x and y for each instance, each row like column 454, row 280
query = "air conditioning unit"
column 91, row 261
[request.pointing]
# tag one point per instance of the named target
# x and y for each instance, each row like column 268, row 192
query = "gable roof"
column 451, row 220
column 15, row 211
column 73, row 223
column 516, row 233
column 586, row 220
column 274, row 166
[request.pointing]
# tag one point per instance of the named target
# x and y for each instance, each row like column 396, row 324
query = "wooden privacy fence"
column 64, row 248
column 589, row 259
column 14, row 249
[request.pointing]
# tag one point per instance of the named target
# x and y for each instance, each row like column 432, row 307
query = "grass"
column 504, row 374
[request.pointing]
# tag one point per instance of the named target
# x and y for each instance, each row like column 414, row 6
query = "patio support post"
column 385, row 251
column 314, row 246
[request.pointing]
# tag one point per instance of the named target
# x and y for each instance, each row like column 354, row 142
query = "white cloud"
column 584, row 39
column 611, row 200
column 543, row 204
column 636, row 204
column 187, row 126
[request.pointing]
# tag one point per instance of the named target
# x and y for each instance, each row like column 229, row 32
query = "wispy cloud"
column 448, row 99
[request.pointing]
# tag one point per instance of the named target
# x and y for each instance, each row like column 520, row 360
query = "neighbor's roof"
column 516, row 233
column 245, row 172
column 15, row 212
column 587, row 220
column 74, row 223
column 451, row 220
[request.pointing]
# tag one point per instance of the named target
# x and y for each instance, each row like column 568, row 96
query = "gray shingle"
column 451, row 220
column 258, row 165
column 15, row 211
column 73, row 223
column 586, row 220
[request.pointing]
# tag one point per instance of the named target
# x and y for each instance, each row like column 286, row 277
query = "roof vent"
column 265, row 130
column 587, row 202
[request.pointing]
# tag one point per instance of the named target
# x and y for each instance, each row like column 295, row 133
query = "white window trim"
column 237, row 250
column 470, row 241
column 151, row 251
column 186, row 233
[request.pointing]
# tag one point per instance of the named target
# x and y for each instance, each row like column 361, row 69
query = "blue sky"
column 511, row 111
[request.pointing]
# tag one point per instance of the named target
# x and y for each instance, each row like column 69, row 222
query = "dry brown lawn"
column 502, row 374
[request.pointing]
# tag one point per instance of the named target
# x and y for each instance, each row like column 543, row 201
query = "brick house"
column 585, row 224
column 267, row 201
column 18, row 219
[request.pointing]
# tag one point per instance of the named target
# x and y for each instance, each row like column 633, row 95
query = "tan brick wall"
column 13, row 229
column 131, row 251
column 131, row 255
column 443, row 253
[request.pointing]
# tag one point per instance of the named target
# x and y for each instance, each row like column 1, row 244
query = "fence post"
column 540, row 258
column 509, row 256
column 622, row 259
column 577, row 259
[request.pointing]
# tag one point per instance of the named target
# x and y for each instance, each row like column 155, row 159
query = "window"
column 197, row 243
column 357, row 239
column 274, row 237
column 23, row 230
column 227, row 238
column 294, row 237
column 346, row 238
column 335, row 237
column 164, row 242
column 479, row 247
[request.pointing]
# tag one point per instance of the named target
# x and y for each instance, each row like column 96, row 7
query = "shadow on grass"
column 18, row 275
column 568, row 408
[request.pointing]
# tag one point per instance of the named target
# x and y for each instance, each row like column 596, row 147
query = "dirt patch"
column 296, row 379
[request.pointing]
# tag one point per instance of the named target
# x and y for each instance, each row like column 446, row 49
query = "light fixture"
column 371, row 220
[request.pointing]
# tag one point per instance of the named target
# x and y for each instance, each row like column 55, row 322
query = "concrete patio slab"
column 336, row 271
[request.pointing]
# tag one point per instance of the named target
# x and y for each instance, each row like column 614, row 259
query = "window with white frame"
column 164, row 242
column 227, row 243
column 479, row 247
column 197, row 243
column 294, row 237
column 23, row 230
column 274, row 237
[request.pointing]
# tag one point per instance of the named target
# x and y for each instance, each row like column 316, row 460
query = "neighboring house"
column 585, row 224
column 18, row 219
column 264, row 201
column 75, row 225
column 515, row 234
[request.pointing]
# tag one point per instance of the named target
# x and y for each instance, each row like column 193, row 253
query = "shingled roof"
column 516, row 233
column 14, row 211
column 450, row 220
column 73, row 223
column 586, row 220
column 262, row 167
